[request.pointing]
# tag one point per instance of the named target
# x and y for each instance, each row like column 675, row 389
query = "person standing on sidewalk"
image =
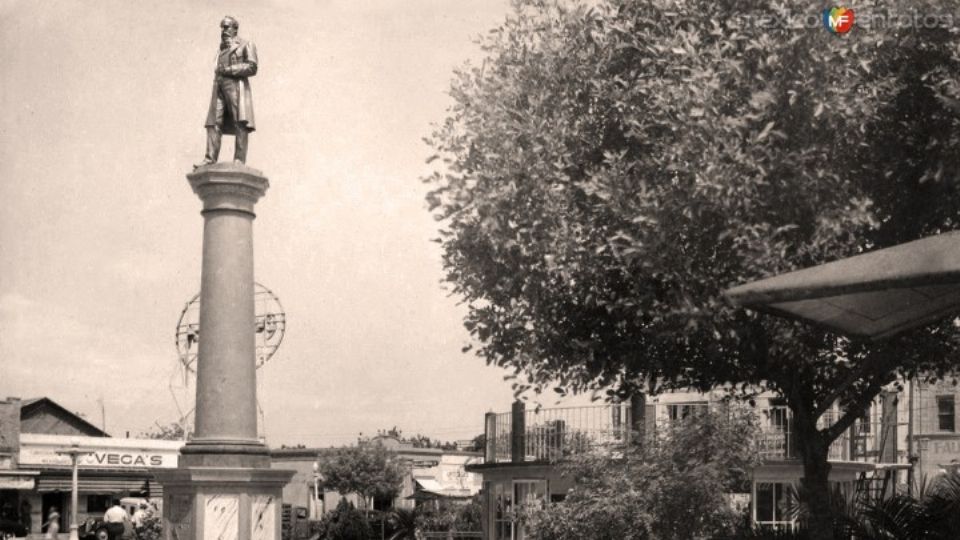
column 139, row 516
column 115, row 517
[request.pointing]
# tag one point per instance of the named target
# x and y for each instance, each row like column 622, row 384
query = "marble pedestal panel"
column 220, row 503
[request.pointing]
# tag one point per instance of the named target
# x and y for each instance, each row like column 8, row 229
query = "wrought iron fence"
column 502, row 434
column 543, row 435
column 864, row 441
column 551, row 434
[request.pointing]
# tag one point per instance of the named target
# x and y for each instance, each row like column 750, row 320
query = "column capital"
column 228, row 186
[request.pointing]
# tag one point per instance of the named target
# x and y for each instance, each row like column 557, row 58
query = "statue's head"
column 229, row 27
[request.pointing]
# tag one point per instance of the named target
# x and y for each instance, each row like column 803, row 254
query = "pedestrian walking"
column 53, row 523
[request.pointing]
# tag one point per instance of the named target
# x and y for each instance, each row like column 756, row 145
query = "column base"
column 225, row 453
column 222, row 503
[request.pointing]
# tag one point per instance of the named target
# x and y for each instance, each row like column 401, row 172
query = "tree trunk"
column 816, row 486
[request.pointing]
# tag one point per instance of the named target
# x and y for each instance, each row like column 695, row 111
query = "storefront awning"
column 101, row 485
column 874, row 295
column 429, row 489
column 19, row 480
column 428, row 484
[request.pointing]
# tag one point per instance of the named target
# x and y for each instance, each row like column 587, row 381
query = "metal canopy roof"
column 873, row 295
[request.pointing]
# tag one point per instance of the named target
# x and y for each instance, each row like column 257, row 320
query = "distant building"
column 935, row 430
column 432, row 474
column 873, row 456
column 45, row 416
column 34, row 477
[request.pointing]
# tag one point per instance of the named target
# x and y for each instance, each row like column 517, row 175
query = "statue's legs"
column 240, row 148
column 214, row 136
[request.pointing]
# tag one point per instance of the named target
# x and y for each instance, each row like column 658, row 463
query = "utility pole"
column 317, row 498
column 74, row 452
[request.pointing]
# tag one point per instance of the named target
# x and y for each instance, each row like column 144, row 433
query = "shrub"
column 451, row 517
column 152, row 529
column 672, row 488
column 346, row 523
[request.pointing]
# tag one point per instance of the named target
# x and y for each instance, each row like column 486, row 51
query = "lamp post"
column 74, row 452
column 316, row 490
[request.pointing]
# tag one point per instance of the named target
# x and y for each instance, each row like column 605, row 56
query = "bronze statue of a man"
column 231, row 104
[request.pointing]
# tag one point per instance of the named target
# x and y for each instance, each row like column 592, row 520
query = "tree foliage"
column 173, row 431
column 674, row 489
column 369, row 470
column 934, row 514
column 346, row 523
column 152, row 528
column 608, row 171
column 416, row 441
column 403, row 524
column 451, row 516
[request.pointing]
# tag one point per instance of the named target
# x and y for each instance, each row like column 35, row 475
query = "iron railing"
column 551, row 434
column 864, row 441
column 545, row 435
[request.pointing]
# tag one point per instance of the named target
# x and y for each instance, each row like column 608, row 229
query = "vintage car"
column 92, row 529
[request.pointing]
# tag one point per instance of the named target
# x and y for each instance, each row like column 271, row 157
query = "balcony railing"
column 864, row 441
column 543, row 435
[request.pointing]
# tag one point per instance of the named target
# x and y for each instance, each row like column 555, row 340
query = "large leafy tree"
column 369, row 470
column 607, row 171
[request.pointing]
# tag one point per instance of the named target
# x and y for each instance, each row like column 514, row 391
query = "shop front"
column 110, row 469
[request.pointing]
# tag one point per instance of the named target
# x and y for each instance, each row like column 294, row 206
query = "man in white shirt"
column 115, row 517
column 138, row 518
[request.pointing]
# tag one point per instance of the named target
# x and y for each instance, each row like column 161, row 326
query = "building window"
column 679, row 411
column 508, row 498
column 863, row 423
column 503, row 512
column 772, row 503
column 98, row 503
column 946, row 409
column 528, row 494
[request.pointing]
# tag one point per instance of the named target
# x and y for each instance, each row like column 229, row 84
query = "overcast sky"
column 102, row 107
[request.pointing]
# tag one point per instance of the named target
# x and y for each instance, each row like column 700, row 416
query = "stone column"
column 224, row 487
column 490, row 431
column 226, row 410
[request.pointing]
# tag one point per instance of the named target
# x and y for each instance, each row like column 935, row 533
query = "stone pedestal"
column 224, row 488
column 221, row 503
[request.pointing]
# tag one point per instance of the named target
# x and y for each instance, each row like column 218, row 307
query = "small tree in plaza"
column 609, row 170
column 369, row 470
column 675, row 487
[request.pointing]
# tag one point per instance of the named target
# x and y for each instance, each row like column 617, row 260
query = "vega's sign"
column 123, row 459
column 101, row 458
